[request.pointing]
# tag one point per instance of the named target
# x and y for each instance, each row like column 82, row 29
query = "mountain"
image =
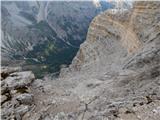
column 115, row 74
column 117, row 36
column 44, row 34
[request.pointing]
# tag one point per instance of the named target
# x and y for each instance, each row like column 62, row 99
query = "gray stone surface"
column 16, row 97
column 19, row 79
column 25, row 98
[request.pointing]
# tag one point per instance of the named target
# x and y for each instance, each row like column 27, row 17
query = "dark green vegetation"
column 49, row 55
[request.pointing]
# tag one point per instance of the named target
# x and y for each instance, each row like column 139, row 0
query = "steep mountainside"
column 44, row 34
column 114, row 76
column 118, row 39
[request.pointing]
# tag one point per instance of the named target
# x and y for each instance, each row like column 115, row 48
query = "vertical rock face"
column 116, row 36
column 118, row 65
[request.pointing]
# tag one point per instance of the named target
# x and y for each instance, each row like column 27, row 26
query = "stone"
column 19, row 79
column 5, row 71
column 60, row 116
column 6, row 114
column 25, row 98
column 21, row 110
column 157, row 110
column 3, row 98
column 16, row 97
column 4, row 87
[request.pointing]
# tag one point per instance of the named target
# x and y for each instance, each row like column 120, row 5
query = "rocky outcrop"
column 119, row 39
column 16, row 97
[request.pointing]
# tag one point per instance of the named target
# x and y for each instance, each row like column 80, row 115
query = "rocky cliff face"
column 115, row 75
column 115, row 37
column 120, row 64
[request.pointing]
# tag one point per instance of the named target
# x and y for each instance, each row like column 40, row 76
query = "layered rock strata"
column 117, row 37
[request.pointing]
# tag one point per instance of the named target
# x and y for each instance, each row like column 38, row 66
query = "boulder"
column 19, row 79
column 16, row 97
column 3, row 98
column 4, row 87
column 25, row 98
column 5, row 71
column 21, row 110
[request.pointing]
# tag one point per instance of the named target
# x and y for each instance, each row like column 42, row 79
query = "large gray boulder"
column 19, row 79
column 25, row 98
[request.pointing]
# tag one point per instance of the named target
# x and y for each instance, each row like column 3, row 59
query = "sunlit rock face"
column 47, row 33
column 116, row 36
column 116, row 72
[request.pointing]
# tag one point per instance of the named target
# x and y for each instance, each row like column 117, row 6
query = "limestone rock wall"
column 115, row 38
